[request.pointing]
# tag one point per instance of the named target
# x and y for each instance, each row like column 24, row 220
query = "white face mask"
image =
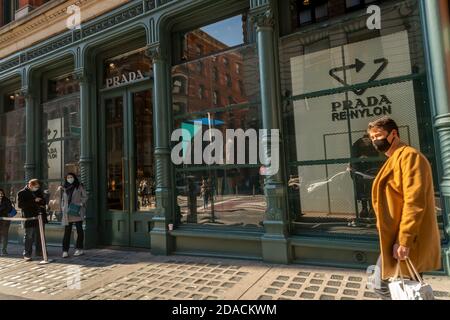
column 70, row 180
column 34, row 189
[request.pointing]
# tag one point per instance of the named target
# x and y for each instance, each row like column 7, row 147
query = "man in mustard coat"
column 404, row 204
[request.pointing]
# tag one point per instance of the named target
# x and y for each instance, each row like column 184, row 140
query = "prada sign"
column 124, row 79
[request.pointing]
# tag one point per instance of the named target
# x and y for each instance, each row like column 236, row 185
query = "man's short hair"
column 34, row 182
column 385, row 123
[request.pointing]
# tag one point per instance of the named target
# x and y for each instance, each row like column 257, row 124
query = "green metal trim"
column 228, row 235
column 337, row 243
column 332, row 161
column 11, row 182
column 216, row 255
column 216, row 110
column 439, row 100
column 365, row 85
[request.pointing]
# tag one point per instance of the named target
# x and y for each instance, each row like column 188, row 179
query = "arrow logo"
column 358, row 66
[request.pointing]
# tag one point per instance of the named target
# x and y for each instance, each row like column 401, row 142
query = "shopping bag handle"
column 413, row 270
column 398, row 272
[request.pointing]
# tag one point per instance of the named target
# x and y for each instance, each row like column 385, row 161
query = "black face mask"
column 382, row 145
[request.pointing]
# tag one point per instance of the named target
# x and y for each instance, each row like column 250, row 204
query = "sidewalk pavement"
column 104, row 274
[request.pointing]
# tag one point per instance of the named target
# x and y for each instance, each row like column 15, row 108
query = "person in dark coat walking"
column 32, row 202
column 5, row 208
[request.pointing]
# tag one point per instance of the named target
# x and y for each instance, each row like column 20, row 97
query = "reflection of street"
column 335, row 223
column 228, row 210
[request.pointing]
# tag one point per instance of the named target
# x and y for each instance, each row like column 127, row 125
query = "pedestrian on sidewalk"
column 32, row 202
column 73, row 207
column 5, row 209
column 404, row 204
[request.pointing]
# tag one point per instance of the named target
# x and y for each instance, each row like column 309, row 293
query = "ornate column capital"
column 154, row 52
column 263, row 19
column 26, row 92
column 82, row 75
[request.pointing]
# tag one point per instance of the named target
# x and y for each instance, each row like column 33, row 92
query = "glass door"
column 127, row 168
column 141, row 169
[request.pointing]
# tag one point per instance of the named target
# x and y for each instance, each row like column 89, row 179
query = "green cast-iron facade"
column 154, row 27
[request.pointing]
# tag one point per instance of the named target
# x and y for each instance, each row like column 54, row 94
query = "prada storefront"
column 104, row 101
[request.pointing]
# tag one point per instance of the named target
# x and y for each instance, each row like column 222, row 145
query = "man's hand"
column 38, row 200
column 400, row 252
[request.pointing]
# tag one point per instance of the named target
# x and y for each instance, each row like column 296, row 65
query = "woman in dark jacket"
column 5, row 208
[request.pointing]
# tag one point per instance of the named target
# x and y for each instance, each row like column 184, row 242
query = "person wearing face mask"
column 5, row 208
column 32, row 202
column 404, row 203
column 73, row 207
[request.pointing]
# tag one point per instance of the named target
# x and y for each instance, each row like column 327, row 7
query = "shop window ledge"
column 214, row 233
column 330, row 243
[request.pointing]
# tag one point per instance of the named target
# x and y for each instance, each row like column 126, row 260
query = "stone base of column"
column 162, row 243
column 275, row 245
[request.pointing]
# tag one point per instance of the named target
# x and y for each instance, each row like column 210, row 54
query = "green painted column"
column 437, row 84
column 274, row 242
column 32, row 140
column 161, row 240
column 85, row 82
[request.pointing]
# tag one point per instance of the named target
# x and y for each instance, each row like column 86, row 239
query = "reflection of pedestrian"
column 205, row 193
column 362, row 171
column 404, row 203
column 192, row 201
column 294, row 197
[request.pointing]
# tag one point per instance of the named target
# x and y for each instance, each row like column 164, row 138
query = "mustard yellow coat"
column 404, row 204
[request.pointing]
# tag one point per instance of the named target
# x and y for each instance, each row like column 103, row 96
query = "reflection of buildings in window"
column 241, row 87
column 61, row 125
column 228, row 80
column 201, row 91
column 214, row 77
column 200, row 67
column 179, row 85
column 311, row 11
column 199, row 50
column 128, row 65
column 220, row 70
column 215, row 74
column 61, row 86
column 357, row 4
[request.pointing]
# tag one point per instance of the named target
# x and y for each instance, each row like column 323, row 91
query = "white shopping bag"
column 402, row 289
